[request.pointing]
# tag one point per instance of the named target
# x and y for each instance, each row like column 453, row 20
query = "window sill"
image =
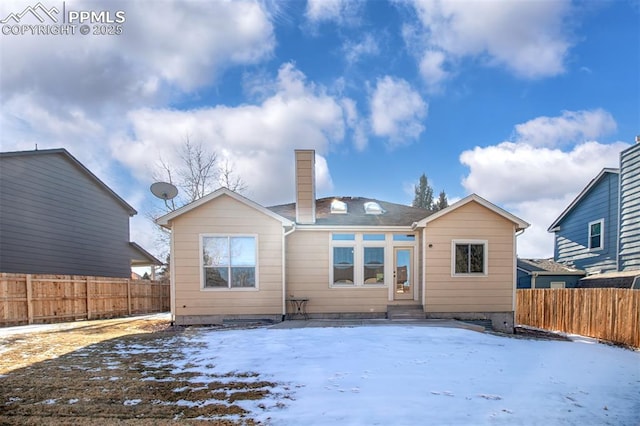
column 381, row 285
column 241, row 289
column 472, row 275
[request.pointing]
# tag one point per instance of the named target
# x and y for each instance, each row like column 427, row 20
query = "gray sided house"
column 57, row 217
column 545, row 273
column 599, row 232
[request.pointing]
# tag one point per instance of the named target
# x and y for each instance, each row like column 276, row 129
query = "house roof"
column 393, row 215
column 615, row 279
column 546, row 267
column 141, row 257
column 164, row 220
column 520, row 224
column 70, row 158
column 580, row 196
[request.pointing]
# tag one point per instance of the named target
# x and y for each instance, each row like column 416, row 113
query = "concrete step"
column 405, row 312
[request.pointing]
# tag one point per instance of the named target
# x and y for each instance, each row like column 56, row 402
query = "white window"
column 596, row 234
column 229, row 261
column 556, row 284
column 469, row 257
column 358, row 259
column 338, row 207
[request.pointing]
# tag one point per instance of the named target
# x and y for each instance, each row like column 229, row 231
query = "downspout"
column 172, row 277
column 534, row 275
column 284, row 268
column 424, row 268
column 515, row 268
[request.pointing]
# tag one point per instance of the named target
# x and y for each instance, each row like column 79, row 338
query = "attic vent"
column 372, row 207
column 338, row 207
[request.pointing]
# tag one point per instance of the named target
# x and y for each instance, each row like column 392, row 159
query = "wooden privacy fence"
column 29, row 299
column 610, row 314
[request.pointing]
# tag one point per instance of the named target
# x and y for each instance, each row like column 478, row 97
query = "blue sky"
column 521, row 102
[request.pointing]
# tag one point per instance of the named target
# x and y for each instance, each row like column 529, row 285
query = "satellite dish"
column 164, row 190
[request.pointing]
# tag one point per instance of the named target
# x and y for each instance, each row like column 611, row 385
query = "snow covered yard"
column 387, row 375
column 422, row 375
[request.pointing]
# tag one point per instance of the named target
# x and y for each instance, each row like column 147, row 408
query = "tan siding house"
column 346, row 257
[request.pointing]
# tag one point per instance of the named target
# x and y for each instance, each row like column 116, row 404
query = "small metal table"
column 299, row 307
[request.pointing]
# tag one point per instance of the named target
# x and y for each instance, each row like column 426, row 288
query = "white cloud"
column 569, row 128
column 354, row 50
column 339, row 11
column 528, row 38
column 535, row 181
column 432, row 69
column 164, row 45
column 258, row 139
column 397, row 111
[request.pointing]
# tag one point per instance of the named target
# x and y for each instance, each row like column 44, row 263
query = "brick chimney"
column 305, row 186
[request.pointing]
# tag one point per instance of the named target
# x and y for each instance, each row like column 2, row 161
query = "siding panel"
column 226, row 216
column 490, row 293
column 55, row 219
column 629, row 250
column 572, row 240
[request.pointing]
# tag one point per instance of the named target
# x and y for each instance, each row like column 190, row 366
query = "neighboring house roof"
column 520, row 224
column 164, row 220
column 393, row 214
column 624, row 279
column 64, row 153
column 141, row 257
column 556, row 223
column 546, row 267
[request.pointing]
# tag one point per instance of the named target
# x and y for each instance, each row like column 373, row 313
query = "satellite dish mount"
column 165, row 191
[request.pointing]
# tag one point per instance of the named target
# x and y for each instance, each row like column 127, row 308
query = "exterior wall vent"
column 338, row 207
column 372, row 207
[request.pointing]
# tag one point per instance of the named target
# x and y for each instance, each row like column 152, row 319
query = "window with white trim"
column 557, row 284
column 358, row 259
column 596, row 233
column 229, row 261
column 469, row 257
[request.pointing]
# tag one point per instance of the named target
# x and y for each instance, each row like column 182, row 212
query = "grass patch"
column 139, row 378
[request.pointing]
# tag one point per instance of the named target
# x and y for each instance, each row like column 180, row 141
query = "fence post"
column 88, row 298
column 5, row 296
column 129, row 296
column 29, row 298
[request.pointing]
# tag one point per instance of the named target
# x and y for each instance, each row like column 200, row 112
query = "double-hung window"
column 469, row 257
column 343, row 258
column 229, row 261
column 596, row 229
column 373, row 258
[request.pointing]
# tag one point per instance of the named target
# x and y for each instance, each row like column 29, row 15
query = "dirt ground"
column 77, row 376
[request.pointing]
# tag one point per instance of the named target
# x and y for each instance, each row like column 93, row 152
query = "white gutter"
column 360, row 228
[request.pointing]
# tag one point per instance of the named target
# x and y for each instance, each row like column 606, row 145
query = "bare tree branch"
column 228, row 179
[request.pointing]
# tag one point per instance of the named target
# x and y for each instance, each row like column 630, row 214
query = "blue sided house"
column 545, row 273
column 599, row 232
